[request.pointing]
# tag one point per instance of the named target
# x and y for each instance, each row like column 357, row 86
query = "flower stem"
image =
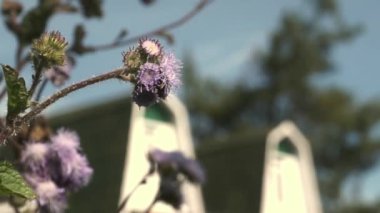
column 150, row 207
column 41, row 89
column 125, row 200
column 36, row 79
column 40, row 107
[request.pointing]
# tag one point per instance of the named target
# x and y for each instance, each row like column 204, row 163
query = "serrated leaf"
column 17, row 93
column 12, row 183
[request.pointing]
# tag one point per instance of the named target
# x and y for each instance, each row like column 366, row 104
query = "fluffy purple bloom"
column 150, row 77
column 34, row 158
column 51, row 197
column 149, row 82
column 171, row 68
column 155, row 81
column 65, row 140
column 155, row 72
column 34, row 179
column 55, row 168
column 72, row 169
column 59, row 74
column 176, row 161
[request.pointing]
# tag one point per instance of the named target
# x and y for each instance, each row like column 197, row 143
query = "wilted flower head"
column 49, row 50
column 71, row 167
column 178, row 163
column 51, row 197
column 150, row 46
column 59, row 74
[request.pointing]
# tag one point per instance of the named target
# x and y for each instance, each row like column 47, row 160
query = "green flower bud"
column 133, row 60
column 49, row 50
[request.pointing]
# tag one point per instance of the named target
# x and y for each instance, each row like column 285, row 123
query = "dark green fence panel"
column 234, row 169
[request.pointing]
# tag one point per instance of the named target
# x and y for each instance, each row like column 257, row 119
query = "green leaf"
column 17, row 93
column 12, row 183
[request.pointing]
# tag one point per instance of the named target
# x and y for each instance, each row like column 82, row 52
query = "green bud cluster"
column 133, row 59
column 49, row 50
column 148, row 50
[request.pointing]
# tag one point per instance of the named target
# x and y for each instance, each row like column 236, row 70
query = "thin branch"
column 125, row 200
column 56, row 96
column 41, row 89
column 35, row 81
column 198, row 7
column 150, row 207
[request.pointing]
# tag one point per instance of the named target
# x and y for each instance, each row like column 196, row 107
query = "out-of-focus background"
column 248, row 65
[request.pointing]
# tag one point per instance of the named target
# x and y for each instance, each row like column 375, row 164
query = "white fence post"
column 289, row 181
column 144, row 134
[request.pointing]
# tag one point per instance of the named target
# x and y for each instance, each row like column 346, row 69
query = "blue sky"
column 221, row 39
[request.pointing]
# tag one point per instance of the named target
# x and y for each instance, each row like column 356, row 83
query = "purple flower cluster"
column 55, row 168
column 169, row 166
column 176, row 161
column 155, row 72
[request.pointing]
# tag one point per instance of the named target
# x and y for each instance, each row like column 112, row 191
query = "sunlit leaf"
column 12, row 183
column 17, row 93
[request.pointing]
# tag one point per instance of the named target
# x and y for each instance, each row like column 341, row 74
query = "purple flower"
column 65, row 140
column 149, row 82
column 34, row 178
column 171, row 68
column 59, row 74
column 72, row 169
column 55, row 168
column 34, row 158
column 192, row 170
column 177, row 162
column 51, row 197
column 155, row 72
column 142, row 97
column 169, row 165
column 150, row 76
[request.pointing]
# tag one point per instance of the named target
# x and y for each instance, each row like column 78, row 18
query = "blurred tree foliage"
column 280, row 86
